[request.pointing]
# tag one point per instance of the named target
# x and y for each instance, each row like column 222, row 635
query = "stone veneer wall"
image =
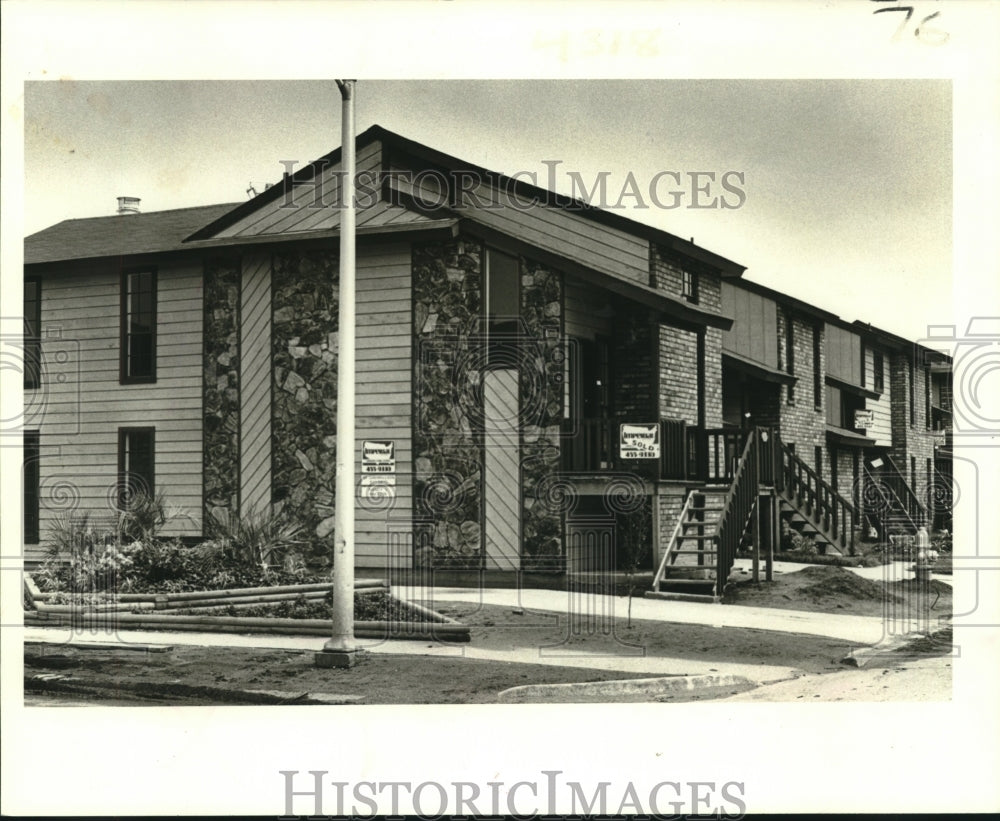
column 304, row 348
column 221, row 390
column 541, row 366
column 447, row 423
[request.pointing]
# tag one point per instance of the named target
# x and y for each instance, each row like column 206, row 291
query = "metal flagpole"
column 341, row 649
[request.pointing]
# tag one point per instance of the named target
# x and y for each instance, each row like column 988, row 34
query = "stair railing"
column 816, row 498
column 736, row 509
column 673, row 543
column 891, row 476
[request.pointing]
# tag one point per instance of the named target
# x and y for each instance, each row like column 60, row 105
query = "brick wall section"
column 678, row 374
column 633, row 367
column 678, row 397
column 669, row 501
column 713, row 378
column 911, row 440
column 802, row 424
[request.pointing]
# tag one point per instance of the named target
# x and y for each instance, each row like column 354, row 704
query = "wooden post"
column 774, row 531
column 755, row 537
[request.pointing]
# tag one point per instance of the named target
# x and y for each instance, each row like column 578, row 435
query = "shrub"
column 261, row 540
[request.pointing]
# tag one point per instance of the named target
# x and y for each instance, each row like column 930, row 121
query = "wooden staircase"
column 715, row 520
column 712, row 524
column 689, row 566
column 889, row 503
column 811, row 506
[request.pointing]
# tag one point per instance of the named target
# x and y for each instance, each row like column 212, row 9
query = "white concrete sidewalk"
column 857, row 629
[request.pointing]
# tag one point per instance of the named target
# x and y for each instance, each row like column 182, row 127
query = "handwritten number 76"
column 925, row 34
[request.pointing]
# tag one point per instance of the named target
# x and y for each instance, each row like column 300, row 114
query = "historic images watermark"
column 315, row 794
column 430, row 188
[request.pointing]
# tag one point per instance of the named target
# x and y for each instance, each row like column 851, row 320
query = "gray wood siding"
column 557, row 230
column 384, row 380
column 881, row 430
column 843, row 354
column 300, row 213
column 502, row 470
column 754, row 334
column 255, row 385
column 81, row 404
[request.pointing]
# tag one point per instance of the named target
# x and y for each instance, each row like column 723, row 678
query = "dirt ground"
column 193, row 675
column 837, row 590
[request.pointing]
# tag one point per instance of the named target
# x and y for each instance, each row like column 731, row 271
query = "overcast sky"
column 848, row 187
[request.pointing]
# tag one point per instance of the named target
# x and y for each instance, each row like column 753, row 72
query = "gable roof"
column 399, row 144
column 119, row 234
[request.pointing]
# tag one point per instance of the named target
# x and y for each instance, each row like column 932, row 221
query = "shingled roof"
column 119, row 235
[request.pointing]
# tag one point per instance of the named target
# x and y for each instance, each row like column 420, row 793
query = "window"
column 32, row 482
column 790, row 354
column 32, row 333
column 503, row 306
column 833, row 468
column 136, row 464
column 879, row 376
column 689, row 286
column 913, row 473
column 817, row 369
column 138, row 327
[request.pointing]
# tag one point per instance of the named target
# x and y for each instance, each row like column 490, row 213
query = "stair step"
column 688, row 582
column 696, row 536
column 698, row 552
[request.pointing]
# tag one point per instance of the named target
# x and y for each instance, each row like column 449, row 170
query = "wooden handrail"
column 819, row 499
column 736, row 509
column 672, row 544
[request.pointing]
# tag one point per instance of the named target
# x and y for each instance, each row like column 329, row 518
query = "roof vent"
column 128, row 205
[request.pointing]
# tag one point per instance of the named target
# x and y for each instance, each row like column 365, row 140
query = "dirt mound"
column 913, row 586
column 830, row 582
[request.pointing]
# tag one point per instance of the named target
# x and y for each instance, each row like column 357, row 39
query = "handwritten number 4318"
column 924, row 33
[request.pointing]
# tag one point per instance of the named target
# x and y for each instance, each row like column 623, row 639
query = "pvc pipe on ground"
column 359, row 584
column 236, row 624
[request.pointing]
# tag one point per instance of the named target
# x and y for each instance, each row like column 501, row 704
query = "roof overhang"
column 397, row 146
column 847, row 438
column 434, row 229
column 850, row 387
column 757, row 370
column 674, row 311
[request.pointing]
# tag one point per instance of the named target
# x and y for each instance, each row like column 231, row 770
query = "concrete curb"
column 619, row 689
column 860, row 656
column 55, row 683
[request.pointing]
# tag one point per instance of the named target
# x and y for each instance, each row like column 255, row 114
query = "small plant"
column 635, row 545
column 260, row 539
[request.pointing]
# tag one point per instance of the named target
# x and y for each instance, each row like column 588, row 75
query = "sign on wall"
column 378, row 456
column 863, row 419
column 379, row 487
column 639, row 441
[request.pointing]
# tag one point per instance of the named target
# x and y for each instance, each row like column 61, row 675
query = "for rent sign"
column 639, row 441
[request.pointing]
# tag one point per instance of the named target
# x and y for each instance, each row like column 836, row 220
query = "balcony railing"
column 687, row 453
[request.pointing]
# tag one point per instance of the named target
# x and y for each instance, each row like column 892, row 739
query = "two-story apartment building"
column 531, row 371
